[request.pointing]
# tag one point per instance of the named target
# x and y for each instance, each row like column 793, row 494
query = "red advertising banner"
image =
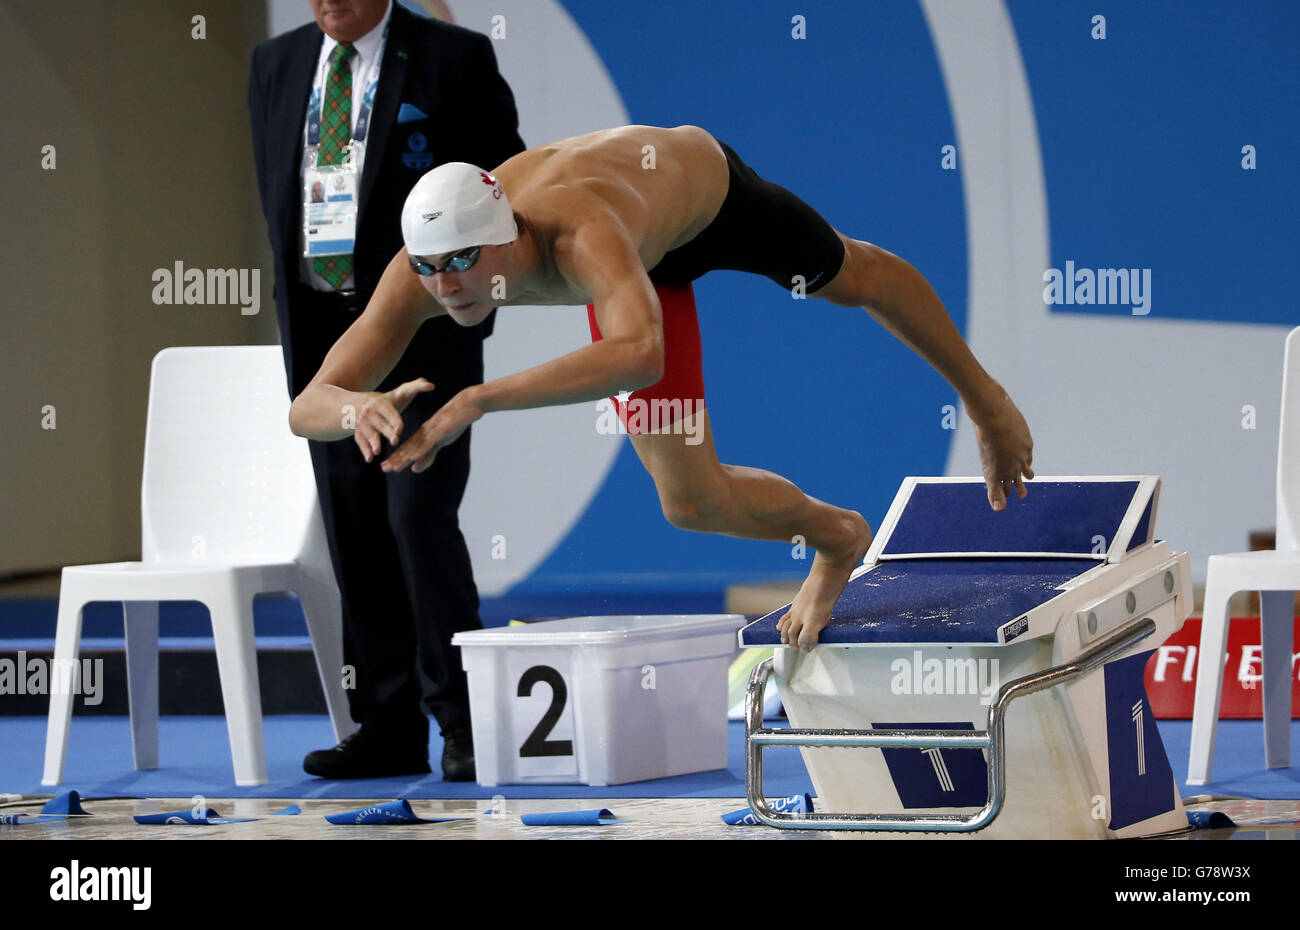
column 1171, row 672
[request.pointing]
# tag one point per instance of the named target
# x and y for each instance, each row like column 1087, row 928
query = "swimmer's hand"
column 1006, row 448
column 441, row 429
column 380, row 417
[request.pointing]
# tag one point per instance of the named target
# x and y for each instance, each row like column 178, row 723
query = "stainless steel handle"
column 993, row 739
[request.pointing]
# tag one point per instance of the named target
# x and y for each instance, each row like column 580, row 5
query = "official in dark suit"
column 435, row 95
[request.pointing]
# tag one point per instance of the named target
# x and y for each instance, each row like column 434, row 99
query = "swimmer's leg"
column 697, row 492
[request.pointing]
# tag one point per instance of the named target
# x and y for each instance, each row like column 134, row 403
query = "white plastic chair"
column 229, row 510
column 1275, row 574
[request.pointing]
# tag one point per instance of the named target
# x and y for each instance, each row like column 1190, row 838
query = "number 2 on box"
column 537, row 744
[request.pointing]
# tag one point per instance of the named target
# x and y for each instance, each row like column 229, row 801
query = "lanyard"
column 317, row 104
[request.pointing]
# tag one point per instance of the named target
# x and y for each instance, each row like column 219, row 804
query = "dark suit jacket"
column 447, row 72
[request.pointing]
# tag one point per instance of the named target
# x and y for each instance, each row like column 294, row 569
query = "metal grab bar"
column 993, row 739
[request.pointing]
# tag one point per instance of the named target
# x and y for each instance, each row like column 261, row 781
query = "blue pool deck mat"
column 945, row 568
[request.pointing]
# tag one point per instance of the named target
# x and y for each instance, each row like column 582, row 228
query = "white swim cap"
column 456, row 206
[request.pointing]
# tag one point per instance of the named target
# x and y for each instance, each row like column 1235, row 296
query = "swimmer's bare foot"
column 811, row 609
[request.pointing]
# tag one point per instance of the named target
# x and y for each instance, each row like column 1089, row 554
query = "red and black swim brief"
column 761, row 228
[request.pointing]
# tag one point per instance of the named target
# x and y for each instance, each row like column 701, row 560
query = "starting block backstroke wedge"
column 986, row 669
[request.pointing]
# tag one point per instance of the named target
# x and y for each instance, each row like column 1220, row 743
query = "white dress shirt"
column 363, row 64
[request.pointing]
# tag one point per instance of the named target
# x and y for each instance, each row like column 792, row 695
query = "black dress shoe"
column 458, row 754
column 370, row 752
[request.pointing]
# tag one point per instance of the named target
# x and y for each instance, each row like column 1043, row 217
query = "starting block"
column 993, row 663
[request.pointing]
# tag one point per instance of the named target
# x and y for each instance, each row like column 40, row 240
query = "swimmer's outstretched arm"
column 605, row 265
column 361, row 359
column 900, row 299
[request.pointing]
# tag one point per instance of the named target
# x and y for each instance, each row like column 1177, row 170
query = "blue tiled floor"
column 196, row 760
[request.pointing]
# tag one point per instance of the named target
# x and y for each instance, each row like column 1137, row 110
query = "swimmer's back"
column 664, row 185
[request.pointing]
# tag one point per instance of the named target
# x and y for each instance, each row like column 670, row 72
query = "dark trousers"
column 401, row 562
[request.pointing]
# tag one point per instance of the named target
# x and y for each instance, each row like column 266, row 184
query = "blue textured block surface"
column 934, row 601
column 1057, row 516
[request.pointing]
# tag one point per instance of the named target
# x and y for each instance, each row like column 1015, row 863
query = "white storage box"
column 599, row 700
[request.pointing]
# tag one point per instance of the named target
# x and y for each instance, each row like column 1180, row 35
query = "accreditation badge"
column 329, row 209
